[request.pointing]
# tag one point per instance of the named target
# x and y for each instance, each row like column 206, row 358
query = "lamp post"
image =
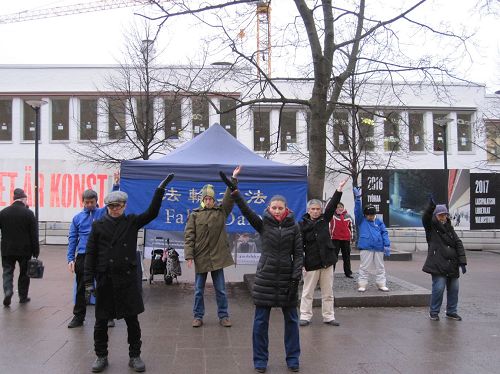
column 443, row 123
column 36, row 104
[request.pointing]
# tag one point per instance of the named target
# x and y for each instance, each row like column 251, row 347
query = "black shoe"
column 434, row 317
column 6, row 300
column 100, row 364
column 293, row 368
column 24, row 300
column 304, row 322
column 137, row 364
column 349, row 276
column 111, row 323
column 453, row 316
column 260, row 370
column 75, row 322
column 332, row 322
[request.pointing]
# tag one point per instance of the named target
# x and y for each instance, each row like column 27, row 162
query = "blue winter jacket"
column 80, row 229
column 372, row 235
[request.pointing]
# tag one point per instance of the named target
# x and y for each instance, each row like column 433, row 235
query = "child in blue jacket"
column 373, row 243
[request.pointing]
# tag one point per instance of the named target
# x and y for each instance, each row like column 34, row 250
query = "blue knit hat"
column 440, row 209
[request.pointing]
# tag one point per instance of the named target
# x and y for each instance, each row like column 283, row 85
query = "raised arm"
column 154, row 207
column 227, row 201
column 358, row 208
column 332, row 204
column 427, row 215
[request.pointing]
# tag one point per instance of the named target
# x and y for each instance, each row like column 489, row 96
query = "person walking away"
column 342, row 232
column 79, row 231
column 373, row 244
column 319, row 258
column 277, row 278
column 206, row 244
column 111, row 260
column 19, row 243
column 445, row 255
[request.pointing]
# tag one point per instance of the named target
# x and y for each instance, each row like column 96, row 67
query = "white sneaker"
column 362, row 288
column 384, row 289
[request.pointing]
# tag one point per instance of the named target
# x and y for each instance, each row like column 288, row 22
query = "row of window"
column 118, row 112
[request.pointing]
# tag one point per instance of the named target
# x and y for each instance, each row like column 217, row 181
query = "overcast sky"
column 97, row 38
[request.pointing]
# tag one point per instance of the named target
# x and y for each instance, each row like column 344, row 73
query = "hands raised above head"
column 228, row 181
column 166, row 181
column 236, row 171
column 342, row 184
column 356, row 191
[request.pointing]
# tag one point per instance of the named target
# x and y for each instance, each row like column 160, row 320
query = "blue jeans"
column 220, row 293
column 439, row 282
column 260, row 337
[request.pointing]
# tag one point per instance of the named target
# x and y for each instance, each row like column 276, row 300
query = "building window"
column 416, row 131
column 392, row 121
column 144, row 117
column 60, row 119
column 261, row 141
column 439, row 122
column 173, row 118
column 492, row 140
column 6, row 120
column 228, row 115
column 116, row 119
column 464, row 132
column 29, row 118
column 200, row 115
column 341, row 134
column 88, row 119
column 366, row 131
column 288, row 130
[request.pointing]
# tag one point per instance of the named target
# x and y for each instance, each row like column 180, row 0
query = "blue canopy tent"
column 198, row 162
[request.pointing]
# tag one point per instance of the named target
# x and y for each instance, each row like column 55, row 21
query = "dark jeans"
column 23, row 282
column 80, row 307
column 133, row 332
column 344, row 246
column 260, row 336
column 439, row 283
column 220, row 294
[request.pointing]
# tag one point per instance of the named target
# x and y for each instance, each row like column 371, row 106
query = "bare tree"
column 329, row 45
column 141, row 104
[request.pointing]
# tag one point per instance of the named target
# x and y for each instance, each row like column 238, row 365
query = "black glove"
column 431, row 199
column 166, row 181
column 464, row 269
column 228, row 181
column 89, row 291
column 293, row 289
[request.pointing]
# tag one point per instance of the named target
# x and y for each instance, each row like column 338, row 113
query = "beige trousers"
column 311, row 278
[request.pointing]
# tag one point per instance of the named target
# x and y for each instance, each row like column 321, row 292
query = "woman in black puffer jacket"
column 277, row 277
column 444, row 257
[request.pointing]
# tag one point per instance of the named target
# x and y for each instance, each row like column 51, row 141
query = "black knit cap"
column 19, row 194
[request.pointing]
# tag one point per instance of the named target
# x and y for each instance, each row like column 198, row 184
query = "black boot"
column 100, row 364
column 75, row 322
column 137, row 364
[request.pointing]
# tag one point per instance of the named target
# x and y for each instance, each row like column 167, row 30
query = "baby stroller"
column 173, row 265
column 157, row 266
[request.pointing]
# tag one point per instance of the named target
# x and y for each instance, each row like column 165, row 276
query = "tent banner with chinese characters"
column 181, row 197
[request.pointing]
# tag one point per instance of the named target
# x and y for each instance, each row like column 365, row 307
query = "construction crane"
column 264, row 38
column 67, row 10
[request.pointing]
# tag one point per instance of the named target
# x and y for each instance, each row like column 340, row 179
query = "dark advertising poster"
column 375, row 189
column 484, row 193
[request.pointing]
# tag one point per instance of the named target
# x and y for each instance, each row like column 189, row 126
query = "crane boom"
column 70, row 9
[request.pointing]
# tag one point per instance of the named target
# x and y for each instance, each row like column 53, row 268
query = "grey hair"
column 314, row 202
column 278, row 198
column 89, row 195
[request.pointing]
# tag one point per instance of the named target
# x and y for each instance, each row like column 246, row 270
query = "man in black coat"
column 111, row 260
column 445, row 256
column 19, row 243
column 320, row 258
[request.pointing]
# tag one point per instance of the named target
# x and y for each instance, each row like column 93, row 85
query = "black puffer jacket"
column 319, row 251
column 445, row 249
column 280, row 260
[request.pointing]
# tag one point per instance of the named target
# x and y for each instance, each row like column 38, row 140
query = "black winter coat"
column 445, row 249
column 319, row 251
column 111, row 259
column 281, row 258
column 19, row 235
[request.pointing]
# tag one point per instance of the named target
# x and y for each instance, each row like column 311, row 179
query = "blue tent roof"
column 203, row 157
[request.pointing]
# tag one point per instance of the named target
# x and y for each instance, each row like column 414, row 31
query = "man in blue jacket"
column 77, row 241
column 373, row 243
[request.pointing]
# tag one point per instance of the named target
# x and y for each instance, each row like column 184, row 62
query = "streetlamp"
column 443, row 123
column 36, row 104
